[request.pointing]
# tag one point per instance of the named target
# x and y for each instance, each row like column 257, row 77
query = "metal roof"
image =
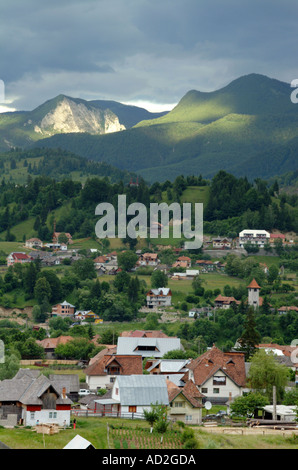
column 130, row 345
column 142, row 390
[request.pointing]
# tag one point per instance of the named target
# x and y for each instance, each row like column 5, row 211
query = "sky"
column 149, row 53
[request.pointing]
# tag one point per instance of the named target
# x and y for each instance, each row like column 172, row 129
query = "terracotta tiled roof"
column 52, row 343
column 253, row 285
column 231, row 363
column 189, row 391
column 20, row 256
column 286, row 350
column 225, row 300
column 144, row 334
column 128, row 364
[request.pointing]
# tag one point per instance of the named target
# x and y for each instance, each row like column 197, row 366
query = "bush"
column 191, row 443
column 188, row 433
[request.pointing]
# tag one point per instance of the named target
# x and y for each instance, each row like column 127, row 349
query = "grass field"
column 108, row 433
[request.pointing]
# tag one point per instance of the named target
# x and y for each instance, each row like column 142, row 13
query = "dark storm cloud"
column 141, row 49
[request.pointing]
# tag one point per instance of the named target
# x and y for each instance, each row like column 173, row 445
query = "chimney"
column 63, row 393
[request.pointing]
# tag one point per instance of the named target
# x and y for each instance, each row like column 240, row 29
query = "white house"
column 255, row 237
column 161, row 297
column 33, row 399
column 147, row 347
column 133, row 393
column 219, row 376
column 33, row 243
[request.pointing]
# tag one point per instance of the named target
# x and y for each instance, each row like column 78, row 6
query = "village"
column 142, row 367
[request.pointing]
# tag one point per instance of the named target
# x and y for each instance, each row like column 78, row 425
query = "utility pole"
column 274, row 403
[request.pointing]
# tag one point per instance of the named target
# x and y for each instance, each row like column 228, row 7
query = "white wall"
column 43, row 416
column 224, row 390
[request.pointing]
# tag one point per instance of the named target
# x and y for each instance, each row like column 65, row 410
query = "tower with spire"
column 254, row 294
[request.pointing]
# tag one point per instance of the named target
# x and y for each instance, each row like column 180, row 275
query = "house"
column 34, row 243
column 108, row 349
column 264, row 267
column 100, row 261
column 147, row 347
column 132, row 394
column 274, row 237
column 180, row 264
column 206, row 266
column 222, row 301
column 199, row 312
column 102, row 373
column 285, row 309
column 185, row 403
column 18, row 257
column 82, row 315
column 144, row 334
column 222, row 243
column 161, row 297
column 56, row 235
column 148, row 259
column 30, row 398
column 166, row 366
column 63, row 310
column 218, row 375
column 255, row 237
column 69, row 382
column 284, row 354
column 184, row 259
column 50, row 344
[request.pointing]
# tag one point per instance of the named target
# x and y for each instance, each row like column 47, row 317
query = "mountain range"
column 248, row 128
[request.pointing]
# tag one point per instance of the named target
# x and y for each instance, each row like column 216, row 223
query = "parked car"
column 209, row 417
column 221, row 413
column 83, row 392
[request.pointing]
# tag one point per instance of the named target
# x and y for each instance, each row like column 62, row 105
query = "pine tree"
column 250, row 336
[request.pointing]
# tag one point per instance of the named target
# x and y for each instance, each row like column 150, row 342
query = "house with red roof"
column 222, row 301
column 18, row 257
column 102, row 373
column 148, row 259
column 185, row 402
column 50, row 344
column 220, row 376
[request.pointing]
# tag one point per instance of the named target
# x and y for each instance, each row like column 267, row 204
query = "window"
column 204, row 390
column 132, row 409
column 52, row 414
column 117, row 391
column 188, row 417
column 216, row 390
column 219, row 380
column 112, row 379
column 32, row 415
column 178, row 404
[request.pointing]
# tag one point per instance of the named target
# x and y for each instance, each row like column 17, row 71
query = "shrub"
column 191, row 443
column 187, row 434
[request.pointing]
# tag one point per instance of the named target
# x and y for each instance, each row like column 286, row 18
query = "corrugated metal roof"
column 142, row 390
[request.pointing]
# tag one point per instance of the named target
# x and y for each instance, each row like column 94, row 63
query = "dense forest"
column 231, row 203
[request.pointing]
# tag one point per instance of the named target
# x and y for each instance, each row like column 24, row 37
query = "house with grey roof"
column 69, row 382
column 33, row 399
column 161, row 297
column 131, row 394
column 147, row 347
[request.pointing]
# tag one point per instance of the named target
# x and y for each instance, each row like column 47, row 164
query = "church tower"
column 254, row 294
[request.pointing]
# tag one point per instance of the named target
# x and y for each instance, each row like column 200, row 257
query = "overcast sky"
column 146, row 52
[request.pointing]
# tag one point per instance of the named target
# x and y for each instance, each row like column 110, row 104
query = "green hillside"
column 249, row 127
